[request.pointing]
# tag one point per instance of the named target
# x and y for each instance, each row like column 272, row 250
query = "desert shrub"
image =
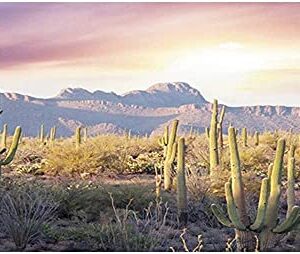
column 125, row 230
column 91, row 201
column 23, row 213
column 97, row 155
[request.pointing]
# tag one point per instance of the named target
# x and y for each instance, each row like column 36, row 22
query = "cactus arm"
column 290, row 185
column 232, row 209
column 13, row 148
column 275, row 190
column 172, row 138
column 270, row 168
column 161, row 142
column 222, row 115
column 173, row 154
column 237, row 182
column 4, row 136
column 220, row 216
column 262, row 205
column 289, row 223
column 166, row 136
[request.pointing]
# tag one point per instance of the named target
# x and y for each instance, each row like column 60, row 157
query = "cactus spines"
column 78, row 137
column 244, row 137
column 181, row 184
column 213, row 139
column 170, row 156
column 4, row 136
column 13, row 148
column 256, row 138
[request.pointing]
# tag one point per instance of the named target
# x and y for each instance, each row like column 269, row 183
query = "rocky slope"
column 142, row 112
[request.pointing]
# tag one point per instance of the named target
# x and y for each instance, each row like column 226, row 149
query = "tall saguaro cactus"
column 181, row 184
column 266, row 224
column 170, row 147
column 85, row 134
column 78, row 137
column 213, row 139
column 215, row 134
column 53, row 134
column 42, row 134
column 12, row 150
column 4, row 136
column 244, row 137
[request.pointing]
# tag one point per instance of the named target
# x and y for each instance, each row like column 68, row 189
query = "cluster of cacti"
column 12, row 150
column 168, row 141
column 215, row 134
column 266, row 224
column 78, row 137
column 4, row 136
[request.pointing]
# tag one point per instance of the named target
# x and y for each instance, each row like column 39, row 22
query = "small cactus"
column 12, row 150
column 181, row 184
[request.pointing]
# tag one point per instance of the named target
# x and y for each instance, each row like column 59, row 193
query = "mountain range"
column 141, row 111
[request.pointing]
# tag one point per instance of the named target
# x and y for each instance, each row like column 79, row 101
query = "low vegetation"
column 197, row 192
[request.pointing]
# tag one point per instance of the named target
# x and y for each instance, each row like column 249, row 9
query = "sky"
column 239, row 53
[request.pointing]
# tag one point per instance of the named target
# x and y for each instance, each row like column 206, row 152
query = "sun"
column 224, row 58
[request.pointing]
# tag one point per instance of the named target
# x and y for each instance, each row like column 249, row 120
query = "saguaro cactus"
column 256, row 137
column 12, row 150
column 163, row 141
column 42, row 134
column 266, row 224
column 53, row 134
column 244, row 137
column 213, row 139
column 85, row 134
column 4, row 136
column 170, row 156
column 78, row 137
column 181, row 184
column 220, row 127
column 291, row 182
column 215, row 134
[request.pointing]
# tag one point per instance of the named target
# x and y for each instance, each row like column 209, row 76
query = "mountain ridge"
column 142, row 111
